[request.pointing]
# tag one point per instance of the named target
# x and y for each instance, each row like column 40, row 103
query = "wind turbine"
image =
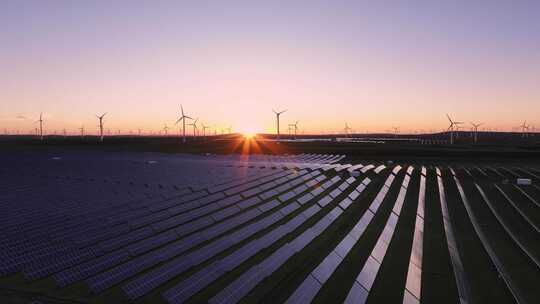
column 101, row 126
column 524, row 127
column 451, row 128
column 82, row 131
column 40, row 126
column 278, row 113
column 204, row 129
column 396, row 131
column 183, row 119
column 347, row 129
column 166, row 129
column 475, row 130
column 194, row 125
column 295, row 126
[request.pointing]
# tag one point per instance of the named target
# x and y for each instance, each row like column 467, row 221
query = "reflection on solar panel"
column 222, row 228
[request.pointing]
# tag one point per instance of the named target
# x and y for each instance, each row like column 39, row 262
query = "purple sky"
column 374, row 64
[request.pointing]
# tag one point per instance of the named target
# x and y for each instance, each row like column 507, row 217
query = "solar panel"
column 300, row 189
column 140, row 222
column 414, row 279
column 150, row 243
column 354, row 194
column 345, row 203
column 335, row 193
column 350, row 180
column 311, row 210
column 305, row 198
column 194, row 225
column 324, row 201
column 357, row 294
column 306, row 291
column 343, row 248
column 286, row 196
column 37, row 270
column 87, row 269
column 223, row 213
column 317, row 191
column 367, row 168
column 120, row 273
column 311, row 183
column 229, row 200
column 320, row 178
column 268, row 205
column 327, row 267
column 268, row 194
column 289, row 208
column 408, row 298
column 268, row 185
column 234, row 292
column 368, row 273
column 249, row 202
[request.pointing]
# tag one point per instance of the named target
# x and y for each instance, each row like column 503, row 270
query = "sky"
column 372, row 64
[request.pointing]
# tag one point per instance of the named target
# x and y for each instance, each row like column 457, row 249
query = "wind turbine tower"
column 524, row 127
column 194, row 125
column 101, row 126
column 183, row 119
column 166, row 129
column 453, row 124
column 204, row 129
column 396, row 131
column 40, row 126
column 278, row 113
column 347, row 129
column 475, row 131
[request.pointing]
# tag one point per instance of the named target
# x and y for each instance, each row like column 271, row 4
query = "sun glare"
column 248, row 135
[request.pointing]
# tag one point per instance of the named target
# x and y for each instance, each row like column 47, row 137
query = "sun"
column 248, row 135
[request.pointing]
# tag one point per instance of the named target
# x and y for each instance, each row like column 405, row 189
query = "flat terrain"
column 492, row 147
column 86, row 226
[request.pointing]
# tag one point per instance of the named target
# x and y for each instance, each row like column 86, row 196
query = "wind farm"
column 269, row 152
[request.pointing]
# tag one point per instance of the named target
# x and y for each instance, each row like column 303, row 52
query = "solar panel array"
column 114, row 227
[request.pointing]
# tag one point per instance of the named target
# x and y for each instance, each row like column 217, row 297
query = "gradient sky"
column 374, row 64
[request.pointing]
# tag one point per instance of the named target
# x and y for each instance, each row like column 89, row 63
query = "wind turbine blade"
column 449, row 119
column 182, row 109
column 179, row 120
column 187, row 117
